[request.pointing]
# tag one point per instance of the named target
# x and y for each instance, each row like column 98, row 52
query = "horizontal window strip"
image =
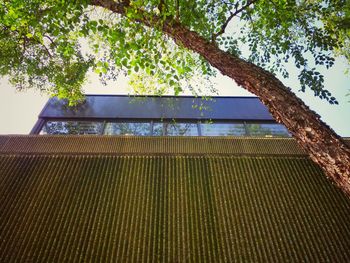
column 163, row 128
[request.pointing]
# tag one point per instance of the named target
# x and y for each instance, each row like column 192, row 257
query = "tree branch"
column 232, row 15
column 249, row 3
column 35, row 40
column 116, row 7
column 47, row 50
column 52, row 42
column 161, row 6
column 177, row 7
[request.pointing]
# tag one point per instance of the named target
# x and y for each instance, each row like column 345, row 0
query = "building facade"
column 139, row 185
column 160, row 116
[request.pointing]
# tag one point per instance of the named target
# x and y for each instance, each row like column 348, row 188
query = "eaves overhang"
column 155, row 107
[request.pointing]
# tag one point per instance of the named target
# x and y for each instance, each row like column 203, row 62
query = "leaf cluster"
column 299, row 32
column 52, row 45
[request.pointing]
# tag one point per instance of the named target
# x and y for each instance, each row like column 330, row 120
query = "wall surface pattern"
column 77, row 199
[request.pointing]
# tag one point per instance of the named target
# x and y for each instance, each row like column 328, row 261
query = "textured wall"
column 173, row 208
column 58, row 144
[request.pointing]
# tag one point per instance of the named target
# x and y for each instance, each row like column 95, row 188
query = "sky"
column 19, row 110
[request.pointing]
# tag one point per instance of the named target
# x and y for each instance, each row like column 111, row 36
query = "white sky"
column 19, row 110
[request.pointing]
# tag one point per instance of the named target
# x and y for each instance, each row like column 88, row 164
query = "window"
column 223, row 129
column 166, row 128
column 267, row 130
column 128, row 128
column 72, row 127
column 175, row 129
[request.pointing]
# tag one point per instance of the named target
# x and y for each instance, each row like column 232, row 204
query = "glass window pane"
column 267, row 130
column 158, row 129
column 175, row 129
column 72, row 127
column 222, row 129
column 181, row 129
column 128, row 128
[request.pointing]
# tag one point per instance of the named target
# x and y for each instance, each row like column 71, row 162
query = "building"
column 168, row 180
column 160, row 116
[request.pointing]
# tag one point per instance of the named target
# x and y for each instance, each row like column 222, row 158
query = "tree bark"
column 322, row 144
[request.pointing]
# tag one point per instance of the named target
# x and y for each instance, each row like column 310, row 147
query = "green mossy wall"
column 170, row 209
column 136, row 145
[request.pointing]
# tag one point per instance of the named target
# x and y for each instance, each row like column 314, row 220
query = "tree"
column 42, row 46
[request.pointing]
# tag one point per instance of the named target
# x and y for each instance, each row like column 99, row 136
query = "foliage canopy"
column 52, row 45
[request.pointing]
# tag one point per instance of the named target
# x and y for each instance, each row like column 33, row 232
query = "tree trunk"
column 322, row 144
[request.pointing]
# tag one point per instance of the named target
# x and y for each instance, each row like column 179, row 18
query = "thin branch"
column 24, row 45
column 32, row 40
column 244, row 7
column 42, row 44
column 49, row 38
column 177, row 7
column 232, row 15
column 47, row 50
column 161, row 6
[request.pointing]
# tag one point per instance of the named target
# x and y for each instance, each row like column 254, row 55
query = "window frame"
column 152, row 123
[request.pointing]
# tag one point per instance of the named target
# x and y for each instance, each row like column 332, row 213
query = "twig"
column 233, row 14
column 177, row 7
column 47, row 50
column 24, row 45
column 161, row 6
column 244, row 7
column 42, row 44
column 49, row 38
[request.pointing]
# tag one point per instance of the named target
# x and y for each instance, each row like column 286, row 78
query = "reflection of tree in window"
column 61, row 127
column 223, row 129
column 236, row 130
column 175, row 129
column 86, row 127
column 57, row 128
column 157, row 129
column 139, row 129
column 181, row 129
column 267, row 130
column 72, row 127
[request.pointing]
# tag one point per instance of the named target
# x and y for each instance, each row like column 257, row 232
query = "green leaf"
column 125, row 63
